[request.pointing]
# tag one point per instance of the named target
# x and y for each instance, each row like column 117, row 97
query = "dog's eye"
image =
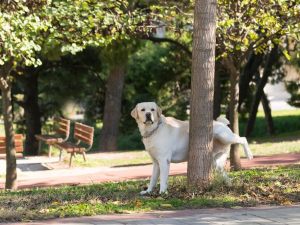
column 142, row 110
column 152, row 110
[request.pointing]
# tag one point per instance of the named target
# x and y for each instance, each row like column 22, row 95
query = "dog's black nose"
column 148, row 115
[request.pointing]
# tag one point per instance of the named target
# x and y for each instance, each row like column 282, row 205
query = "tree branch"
column 169, row 40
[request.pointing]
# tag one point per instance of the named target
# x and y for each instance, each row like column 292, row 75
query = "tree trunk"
column 112, row 108
column 11, row 164
column 249, row 70
column 272, row 58
column 235, row 161
column 32, row 113
column 202, row 90
column 268, row 114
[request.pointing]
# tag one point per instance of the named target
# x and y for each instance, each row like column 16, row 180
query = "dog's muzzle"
column 148, row 119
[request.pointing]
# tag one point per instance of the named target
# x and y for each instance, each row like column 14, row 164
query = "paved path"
column 77, row 176
column 244, row 216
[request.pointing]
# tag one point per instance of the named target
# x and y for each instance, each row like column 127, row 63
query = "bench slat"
column 84, row 133
column 18, row 144
column 49, row 139
column 62, row 131
column 84, row 127
column 84, row 139
column 61, row 120
column 70, row 147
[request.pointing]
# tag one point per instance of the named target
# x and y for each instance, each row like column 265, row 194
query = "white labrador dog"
column 166, row 140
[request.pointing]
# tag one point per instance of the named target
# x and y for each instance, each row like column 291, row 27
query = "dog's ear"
column 159, row 111
column 134, row 113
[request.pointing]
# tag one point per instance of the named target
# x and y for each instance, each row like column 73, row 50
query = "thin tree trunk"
column 11, row 164
column 235, row 161
column 32, row 113
column 112, row 108
column 272, row 58
column 202, row 87
column 249, row 70
column 268, row 114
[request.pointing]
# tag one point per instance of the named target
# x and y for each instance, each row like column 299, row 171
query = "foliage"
column 242, row 26
column 157, row 73
column 246, row 25
column 21, row 32
column 279, row 186
column 58, row 27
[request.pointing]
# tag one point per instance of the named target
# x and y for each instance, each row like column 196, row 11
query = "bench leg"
column 40, row 148
column 60, row 154
column 84, row 156
column 70, row 163
column 49, row 151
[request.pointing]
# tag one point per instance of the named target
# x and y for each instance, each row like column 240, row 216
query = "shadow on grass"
column 283, row 124
column 277, row 138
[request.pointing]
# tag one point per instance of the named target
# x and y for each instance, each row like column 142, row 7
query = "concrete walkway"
column 77, row 176
column 244, row 216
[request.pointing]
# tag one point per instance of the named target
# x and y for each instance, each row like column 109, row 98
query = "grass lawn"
column 279, row 186
column 283, row 143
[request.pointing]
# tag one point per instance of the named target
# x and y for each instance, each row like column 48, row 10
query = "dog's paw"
column 145, row 192
column 163, row 192
column 250, row 155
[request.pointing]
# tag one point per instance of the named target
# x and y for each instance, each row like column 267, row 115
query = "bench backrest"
column 18, row 144
column 84, row 133
column 62, row 126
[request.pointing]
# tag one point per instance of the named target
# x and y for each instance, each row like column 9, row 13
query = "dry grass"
column 279, row 186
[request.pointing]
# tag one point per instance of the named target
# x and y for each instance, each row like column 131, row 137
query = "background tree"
column 116, row 55
column 58, row 27
column 202, row 87
column 21, row 28
column 244, row 30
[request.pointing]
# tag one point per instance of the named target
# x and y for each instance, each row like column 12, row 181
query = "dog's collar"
column 147, row 135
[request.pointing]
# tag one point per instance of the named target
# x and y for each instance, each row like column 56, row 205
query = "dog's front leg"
column 153, row 180
column 164, row 166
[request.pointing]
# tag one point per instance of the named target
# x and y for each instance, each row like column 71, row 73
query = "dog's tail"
column 223, row 120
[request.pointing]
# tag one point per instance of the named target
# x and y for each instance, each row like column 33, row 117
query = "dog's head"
column 147, row 113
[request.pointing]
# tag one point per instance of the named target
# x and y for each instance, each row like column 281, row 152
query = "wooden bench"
column 18, row 144
column 61, row 134
column 83, row 134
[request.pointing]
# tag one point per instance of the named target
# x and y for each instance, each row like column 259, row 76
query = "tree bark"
column 268, row 114
column 271, row 59
column 112, row 108
column 11, row 163
column 32, row 113
column 202, row 90
column 250, row 69
column 235, row 161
